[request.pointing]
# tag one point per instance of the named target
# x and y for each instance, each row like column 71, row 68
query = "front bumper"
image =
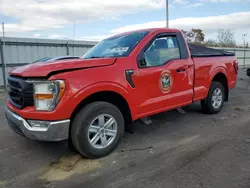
column 55, row 131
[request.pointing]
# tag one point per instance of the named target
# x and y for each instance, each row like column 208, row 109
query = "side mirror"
column 142, row 62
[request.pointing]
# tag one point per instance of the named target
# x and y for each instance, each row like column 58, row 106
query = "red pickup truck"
column 123, row 78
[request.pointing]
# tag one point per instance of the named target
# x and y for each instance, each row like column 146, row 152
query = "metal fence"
column 242, row 54
column 21, row 51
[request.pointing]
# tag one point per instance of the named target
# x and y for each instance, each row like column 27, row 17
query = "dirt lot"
column 190, row 150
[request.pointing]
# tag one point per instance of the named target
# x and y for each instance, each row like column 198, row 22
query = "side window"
column 162, row 50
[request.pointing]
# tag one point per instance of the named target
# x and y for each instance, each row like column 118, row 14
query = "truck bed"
column 202, row 51
column 205, row 66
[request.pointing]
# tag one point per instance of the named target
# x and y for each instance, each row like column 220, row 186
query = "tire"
column 92, row 114
column 207, row 104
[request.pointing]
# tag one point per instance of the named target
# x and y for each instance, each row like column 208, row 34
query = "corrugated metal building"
column 20, row 51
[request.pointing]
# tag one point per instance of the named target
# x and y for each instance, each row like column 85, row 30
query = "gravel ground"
column 190, row 150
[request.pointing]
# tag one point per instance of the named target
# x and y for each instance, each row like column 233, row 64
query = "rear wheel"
column 97, row 129
column 215, row 99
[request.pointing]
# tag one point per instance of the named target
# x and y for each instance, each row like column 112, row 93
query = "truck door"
column 164, row 79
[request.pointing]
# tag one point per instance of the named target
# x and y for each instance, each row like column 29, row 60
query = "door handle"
column 181, row 69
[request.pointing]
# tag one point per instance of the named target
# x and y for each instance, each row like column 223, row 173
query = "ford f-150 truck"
column 123, row 78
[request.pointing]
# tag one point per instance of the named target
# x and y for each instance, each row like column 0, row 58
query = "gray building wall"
column 20, row 51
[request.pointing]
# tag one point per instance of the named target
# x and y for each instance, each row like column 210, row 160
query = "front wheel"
column 215, row 99
column 97, row 129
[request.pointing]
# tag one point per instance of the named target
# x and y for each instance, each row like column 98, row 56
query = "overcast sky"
column 97, row 19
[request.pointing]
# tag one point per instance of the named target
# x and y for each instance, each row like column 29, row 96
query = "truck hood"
column 44, row 69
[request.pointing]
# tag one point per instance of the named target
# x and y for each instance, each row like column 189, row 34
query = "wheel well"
column 220, row 77
column 107, row 96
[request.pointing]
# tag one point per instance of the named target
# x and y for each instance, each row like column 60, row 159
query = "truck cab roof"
column 151, row 30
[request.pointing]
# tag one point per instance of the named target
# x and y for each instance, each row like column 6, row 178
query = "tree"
column 194, row 36
column 199, row 35
column 189, row 35
column 226, row 38
column 211, row 42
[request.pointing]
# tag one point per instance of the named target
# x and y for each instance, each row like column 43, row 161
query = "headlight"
column 47, row 94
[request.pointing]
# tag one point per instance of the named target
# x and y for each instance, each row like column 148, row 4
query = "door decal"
column 166, row 81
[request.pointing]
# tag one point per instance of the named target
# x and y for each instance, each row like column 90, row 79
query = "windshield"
column 119, row 46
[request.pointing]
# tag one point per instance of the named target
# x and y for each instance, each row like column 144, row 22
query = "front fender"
column 100, row 87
